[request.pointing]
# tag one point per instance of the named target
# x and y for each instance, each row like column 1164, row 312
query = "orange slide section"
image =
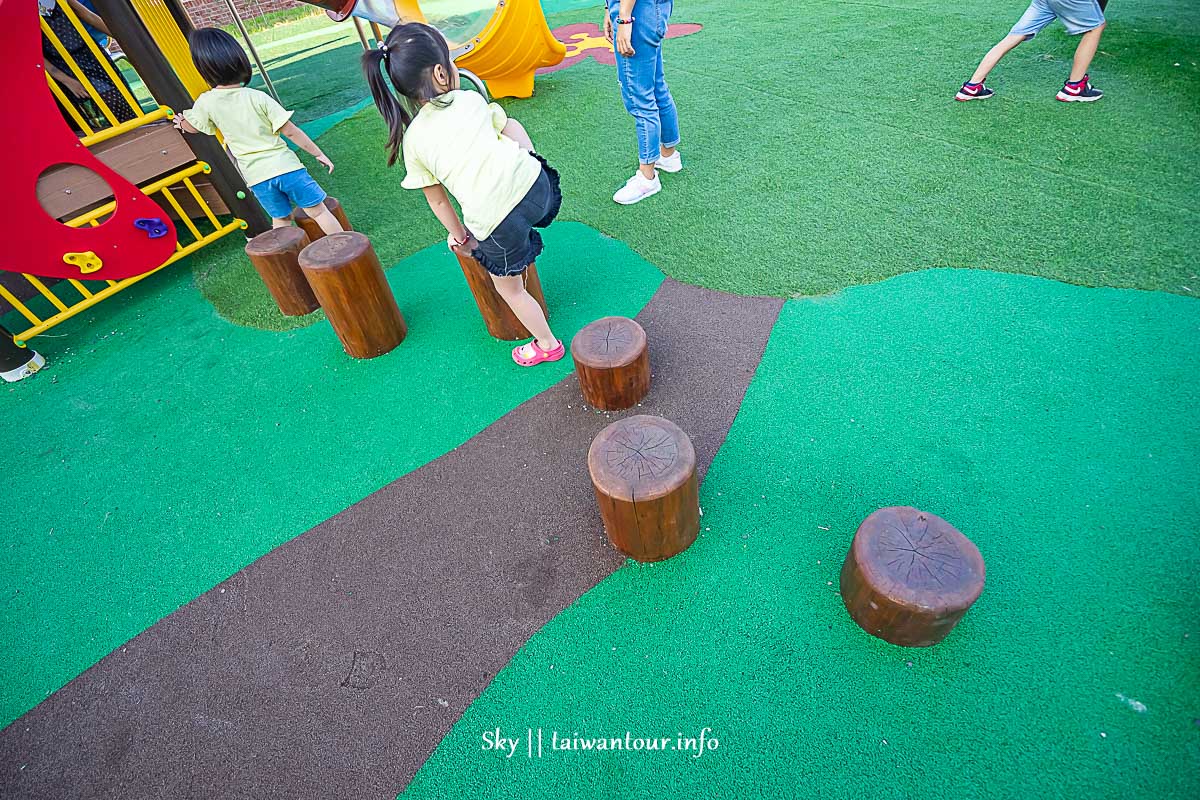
column 515, row 44
column 504, row 42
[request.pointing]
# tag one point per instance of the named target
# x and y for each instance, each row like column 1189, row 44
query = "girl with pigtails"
column 454, row 141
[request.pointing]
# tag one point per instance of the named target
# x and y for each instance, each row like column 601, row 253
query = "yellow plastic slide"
column 504, row 42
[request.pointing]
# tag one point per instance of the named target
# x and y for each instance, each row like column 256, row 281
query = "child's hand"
column 182, row 125
column 324, row 159
column 607, row 25
column 462, row 247
column 74, row 87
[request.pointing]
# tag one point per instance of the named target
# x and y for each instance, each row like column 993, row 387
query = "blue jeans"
column 643, row 86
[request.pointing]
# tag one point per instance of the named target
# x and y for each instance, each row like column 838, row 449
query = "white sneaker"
column 637, row 188
column 671, row 163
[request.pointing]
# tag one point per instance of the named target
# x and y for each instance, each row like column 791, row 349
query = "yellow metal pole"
column 92, row 216
column 41, row 326
column 79, row 76
column 182, row 216
column 83, row 290
column 57, row 91
column 162, row 112
column 171, row 43
column 194, row 169
column 105, row 62
column 19, row 306
column 151, row 188
column 46, row 293
column 191, row 187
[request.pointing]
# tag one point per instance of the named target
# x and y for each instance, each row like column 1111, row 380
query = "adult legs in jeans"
column 644, row 87
column 636, row 75
column 668, row 117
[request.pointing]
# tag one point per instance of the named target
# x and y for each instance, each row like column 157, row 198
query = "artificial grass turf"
column 823, row 149
column 168, row 449
column 1053, row 425
column 313, row 64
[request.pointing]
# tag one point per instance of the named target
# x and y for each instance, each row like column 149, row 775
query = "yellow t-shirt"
column 250, row 121
column 460, row 147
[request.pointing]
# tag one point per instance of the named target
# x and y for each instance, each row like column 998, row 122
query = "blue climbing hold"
column 153, row 226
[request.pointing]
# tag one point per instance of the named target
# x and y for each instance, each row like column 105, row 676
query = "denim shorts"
column 514, row 245
column 1079, row 16
column 295, row 189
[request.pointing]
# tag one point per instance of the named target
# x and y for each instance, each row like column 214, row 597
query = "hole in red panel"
column 65, row 191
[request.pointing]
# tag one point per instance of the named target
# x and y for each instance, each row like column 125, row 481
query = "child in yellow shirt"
column 253, row 125
column 455, row 141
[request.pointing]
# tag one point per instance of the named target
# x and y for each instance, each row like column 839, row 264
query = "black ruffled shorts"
column 514, row 245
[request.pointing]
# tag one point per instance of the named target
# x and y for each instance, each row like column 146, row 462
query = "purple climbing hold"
column 153, row 226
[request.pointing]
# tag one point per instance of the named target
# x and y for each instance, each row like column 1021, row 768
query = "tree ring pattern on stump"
column 609, row 342
column 641, row 458
column 277, row 240
column 335, row 250
column 920, row 554
column 641, row 452
column 611, row 338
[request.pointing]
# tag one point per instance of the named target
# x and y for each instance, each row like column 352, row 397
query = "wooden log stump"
column 275, row 255
column 643, row 470
column 347, row 279
column 612, row 363
column 310, row 225
column 910, row 576
column 501, row 322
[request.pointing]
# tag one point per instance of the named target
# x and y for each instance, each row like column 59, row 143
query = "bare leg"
column 516, row 131
column 512, row 289
column 667, row 152
column 324, row 219
column 647, row 171
column 993, row 56
column 280, row 222
column 1085, row 52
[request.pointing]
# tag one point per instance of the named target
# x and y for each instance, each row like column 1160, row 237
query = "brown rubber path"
column 333, row 666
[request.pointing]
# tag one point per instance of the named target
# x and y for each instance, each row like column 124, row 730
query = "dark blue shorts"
column 514, row 245
column 295, row 189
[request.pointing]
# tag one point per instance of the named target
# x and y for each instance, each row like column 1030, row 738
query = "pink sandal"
column 539, row 355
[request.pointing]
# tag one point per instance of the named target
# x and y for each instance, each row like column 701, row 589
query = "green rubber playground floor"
column 183, row 447
column 944, row 345
column 1054, row 425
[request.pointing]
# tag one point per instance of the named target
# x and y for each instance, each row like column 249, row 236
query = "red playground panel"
column 138, row 237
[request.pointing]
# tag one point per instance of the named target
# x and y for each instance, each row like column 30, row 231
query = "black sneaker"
column 973, row 91
column 1080, row 91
